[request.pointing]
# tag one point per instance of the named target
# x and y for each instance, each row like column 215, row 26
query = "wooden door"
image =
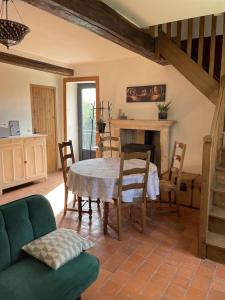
column 44, row 120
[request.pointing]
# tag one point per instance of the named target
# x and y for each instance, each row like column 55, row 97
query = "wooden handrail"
column 211, row 149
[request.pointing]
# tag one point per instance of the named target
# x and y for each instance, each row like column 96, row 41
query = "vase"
column 163, row 115
column 101, row 127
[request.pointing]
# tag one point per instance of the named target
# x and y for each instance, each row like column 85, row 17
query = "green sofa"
column 23, row 277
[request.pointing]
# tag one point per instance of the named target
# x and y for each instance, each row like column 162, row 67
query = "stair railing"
column 183, row 33
column 211, row 155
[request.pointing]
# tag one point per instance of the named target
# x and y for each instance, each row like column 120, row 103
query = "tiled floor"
column 162, row 264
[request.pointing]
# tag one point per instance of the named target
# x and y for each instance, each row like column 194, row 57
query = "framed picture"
column 14, row 127
column 146, row 93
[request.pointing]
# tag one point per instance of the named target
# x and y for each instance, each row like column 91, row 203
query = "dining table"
column 98, row 178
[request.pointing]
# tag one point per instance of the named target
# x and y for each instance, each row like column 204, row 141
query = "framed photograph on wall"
column 146, row 93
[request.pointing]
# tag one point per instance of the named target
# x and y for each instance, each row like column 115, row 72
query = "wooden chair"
column 172, row 183
column 67, row 158
column 110, row 144
column 138, row 202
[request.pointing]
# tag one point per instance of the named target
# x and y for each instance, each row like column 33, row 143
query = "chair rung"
column 133, row 186
column 134, row 171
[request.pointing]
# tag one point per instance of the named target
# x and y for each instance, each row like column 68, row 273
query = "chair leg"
column 105, row 216
column 177, row 203
column 98, row 202
column 74, row 200
column 65, row 200
column 119, row 221
column 90, row 209
column 170, row 198
column 79, row 200
column 144, row 211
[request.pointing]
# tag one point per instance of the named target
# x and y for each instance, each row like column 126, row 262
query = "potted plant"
column 101, row 125
column 163, row 110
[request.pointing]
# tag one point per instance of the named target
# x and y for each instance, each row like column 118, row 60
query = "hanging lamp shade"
column 11, row 32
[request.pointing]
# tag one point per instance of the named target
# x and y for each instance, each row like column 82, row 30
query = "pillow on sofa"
column 58, row 247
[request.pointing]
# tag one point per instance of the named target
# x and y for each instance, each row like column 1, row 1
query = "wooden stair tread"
column 219, row 188
column 220, row 167
column 216, row 240
column 217, row 212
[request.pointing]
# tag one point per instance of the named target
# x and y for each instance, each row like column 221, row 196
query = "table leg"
column 105, row 217
column 90, row 209
column 79, row 200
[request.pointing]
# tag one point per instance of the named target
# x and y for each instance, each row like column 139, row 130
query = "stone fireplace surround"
column 153, row 125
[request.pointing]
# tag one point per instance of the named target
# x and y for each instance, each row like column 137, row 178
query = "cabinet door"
column 12, row 165
column 35, row 158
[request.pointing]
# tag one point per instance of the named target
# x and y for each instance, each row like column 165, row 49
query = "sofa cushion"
column 22, row 221
column 58, row 247
column 5, row 258
column 33, row 280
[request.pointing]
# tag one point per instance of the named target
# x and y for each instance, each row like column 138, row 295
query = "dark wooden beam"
column 34, row 64
column 101, row 19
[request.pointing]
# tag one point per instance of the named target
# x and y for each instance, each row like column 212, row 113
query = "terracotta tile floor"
column 162, row 264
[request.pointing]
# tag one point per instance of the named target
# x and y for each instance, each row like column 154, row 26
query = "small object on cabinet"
column 14, row 128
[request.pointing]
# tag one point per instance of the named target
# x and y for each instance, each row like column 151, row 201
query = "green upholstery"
column 38, row 282
column 22, row 221
column 22, row 277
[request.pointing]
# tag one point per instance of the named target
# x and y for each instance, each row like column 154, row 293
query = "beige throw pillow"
column 58, row 247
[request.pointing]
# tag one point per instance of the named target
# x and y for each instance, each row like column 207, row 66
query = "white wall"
column 15, row 101
column 192, row 110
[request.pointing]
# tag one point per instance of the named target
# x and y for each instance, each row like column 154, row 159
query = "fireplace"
column 142, row 133
column 147, row 140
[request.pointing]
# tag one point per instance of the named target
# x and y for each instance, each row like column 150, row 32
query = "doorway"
column 86, row 102
column 79, row 95
column 43, row 110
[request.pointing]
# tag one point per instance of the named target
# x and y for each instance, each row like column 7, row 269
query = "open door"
column 80, row 95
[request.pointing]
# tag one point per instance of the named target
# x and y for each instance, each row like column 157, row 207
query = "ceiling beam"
column 101, row 19
column 34, row 64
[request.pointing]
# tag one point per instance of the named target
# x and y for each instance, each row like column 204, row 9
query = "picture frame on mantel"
column 146, row 93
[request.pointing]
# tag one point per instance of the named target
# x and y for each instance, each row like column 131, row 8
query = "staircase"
column 215, row 240
column 196, row 48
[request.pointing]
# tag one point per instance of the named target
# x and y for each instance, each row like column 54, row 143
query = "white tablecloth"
column 98, row 178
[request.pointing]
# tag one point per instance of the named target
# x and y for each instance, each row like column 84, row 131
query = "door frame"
column 55, row 111
column 77, row 80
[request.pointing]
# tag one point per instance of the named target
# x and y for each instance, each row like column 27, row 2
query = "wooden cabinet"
column 22, row 159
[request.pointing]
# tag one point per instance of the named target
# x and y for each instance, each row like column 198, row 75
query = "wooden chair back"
column 134, row 171
column 65, row 156
column 177, row 162
column 109, row 144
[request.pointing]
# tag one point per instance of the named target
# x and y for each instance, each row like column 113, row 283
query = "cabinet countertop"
column 25, row 136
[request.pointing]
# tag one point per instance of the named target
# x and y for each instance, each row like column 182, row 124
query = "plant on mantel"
column 163, row 109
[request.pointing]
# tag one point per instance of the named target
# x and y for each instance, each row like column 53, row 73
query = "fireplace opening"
column 142, row 141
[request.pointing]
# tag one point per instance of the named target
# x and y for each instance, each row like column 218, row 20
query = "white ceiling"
column 152, row 12
column 55, row 40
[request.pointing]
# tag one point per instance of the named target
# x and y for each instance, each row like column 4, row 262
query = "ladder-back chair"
column 67, row 158
column 109, row 144
column 172, row 184
column 140, row 201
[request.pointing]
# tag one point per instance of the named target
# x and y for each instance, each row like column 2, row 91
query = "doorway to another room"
column 86, row 102
column 81, row 96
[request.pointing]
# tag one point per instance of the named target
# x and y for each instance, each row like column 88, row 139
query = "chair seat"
column 166, row 186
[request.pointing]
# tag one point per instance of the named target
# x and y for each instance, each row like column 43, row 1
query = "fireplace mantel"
column 143, row 124
column 163, row 126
